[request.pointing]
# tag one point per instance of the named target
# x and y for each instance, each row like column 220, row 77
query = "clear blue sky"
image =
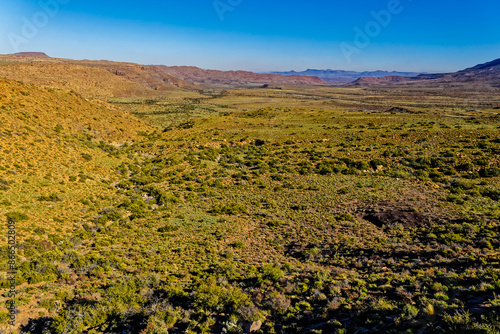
column 258, row 35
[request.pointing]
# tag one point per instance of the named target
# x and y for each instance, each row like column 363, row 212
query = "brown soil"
column 407, row 218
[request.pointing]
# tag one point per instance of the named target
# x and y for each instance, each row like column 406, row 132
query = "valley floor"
column 278, row 210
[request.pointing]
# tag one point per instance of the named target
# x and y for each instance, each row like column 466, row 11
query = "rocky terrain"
column 236, row 78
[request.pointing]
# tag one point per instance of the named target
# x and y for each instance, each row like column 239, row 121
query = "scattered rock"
column 253, row 326
column 478, row 300
column 478, row 310
column 395, row 216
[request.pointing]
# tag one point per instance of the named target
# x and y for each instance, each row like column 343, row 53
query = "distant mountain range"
column 341, row 77
column 488, row 73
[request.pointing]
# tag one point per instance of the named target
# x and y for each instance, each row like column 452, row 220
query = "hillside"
column 42, row 109
column 488, row 72
column 92, row 79
column 58, row 152
column 89, row 81
column 236, row 78
column 145, row 75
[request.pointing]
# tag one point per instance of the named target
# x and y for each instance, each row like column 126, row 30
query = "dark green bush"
column 489, row 172
column 168, row 228
column 16, row 216
column 86, row 156
column 50, row 198
column 229, row 209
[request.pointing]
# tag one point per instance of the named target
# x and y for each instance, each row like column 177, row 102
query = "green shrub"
column 273, row 273
column 108, row 214
column 4, row 317
column 345, row 217
column 168, row 228
column 39, row 230
column 489, row 172
column 86, row 156
column 238, row 244
column 275, row 223
column 186, row 125
column 162, row 197
column 16, row 216
column 378, row 162
column 50, row 198
column 382, row 304
column 229, row 209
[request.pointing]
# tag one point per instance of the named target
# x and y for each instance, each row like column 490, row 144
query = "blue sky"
column 258, row 35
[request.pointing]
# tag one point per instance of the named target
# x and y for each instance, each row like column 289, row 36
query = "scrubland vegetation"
column 290, row 210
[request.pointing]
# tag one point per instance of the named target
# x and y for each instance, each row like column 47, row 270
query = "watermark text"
column 224, row 6
column 12, row 270
column 31, row 26
column 363, row 37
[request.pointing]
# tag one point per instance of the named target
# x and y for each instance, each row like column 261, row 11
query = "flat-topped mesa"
column 31, row 54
